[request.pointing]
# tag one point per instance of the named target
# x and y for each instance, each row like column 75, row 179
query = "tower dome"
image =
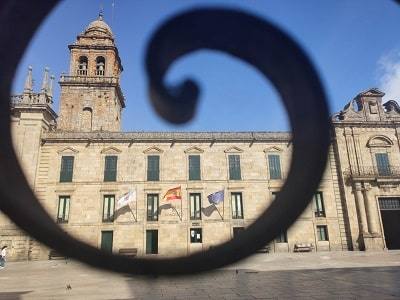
column 98, row 27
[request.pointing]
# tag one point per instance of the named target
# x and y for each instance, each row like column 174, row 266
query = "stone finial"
column 50, row 91
column 101, row 12
column 45, row 82
column 28, row 87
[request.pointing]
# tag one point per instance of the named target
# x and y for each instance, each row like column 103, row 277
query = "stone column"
column 361, row 208
column 372, row 213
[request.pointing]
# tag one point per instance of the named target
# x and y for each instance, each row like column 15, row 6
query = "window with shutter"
column 108, row 208
column 194, row 167
column 63, row 209
column 67, row 168
column 322, row 233
column 281, row 238
column 319, row 208
column 237, row 206
column 382, row 163
column 153, row 168
column 274, row 164
column 110, row 168
column 195, row 206
column 152, row 207
column 234, row 167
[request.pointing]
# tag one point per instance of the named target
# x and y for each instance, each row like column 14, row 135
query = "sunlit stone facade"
column 80, row 163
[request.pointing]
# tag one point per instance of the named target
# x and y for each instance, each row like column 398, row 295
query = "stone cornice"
column 138, row 137
column 391, row 123
column 34, row 108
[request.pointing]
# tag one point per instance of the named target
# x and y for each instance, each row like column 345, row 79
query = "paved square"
column 336, row 275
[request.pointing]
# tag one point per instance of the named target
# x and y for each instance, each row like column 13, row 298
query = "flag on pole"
column 173, row 194
column 216, row 197
column 126, row 199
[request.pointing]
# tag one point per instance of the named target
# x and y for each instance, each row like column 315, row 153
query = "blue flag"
column 216, row 197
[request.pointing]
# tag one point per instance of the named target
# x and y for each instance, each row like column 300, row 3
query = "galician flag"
column 216, row 197
column 126, row 199
column 173, row 194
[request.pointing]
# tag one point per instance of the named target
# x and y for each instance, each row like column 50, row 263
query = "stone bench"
column 265, row 249
column 303, row 247
column 130, row 252
column 53, row 254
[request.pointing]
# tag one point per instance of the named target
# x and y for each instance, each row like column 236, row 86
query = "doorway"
column 107, row 241
column 390, row 213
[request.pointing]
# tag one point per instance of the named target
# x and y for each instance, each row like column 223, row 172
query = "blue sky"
column 354, row 45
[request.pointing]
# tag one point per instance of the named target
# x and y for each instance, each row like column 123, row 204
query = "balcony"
column 373, row 173
column 66, row 79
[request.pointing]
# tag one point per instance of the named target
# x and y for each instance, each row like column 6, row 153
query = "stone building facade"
column 80, row 163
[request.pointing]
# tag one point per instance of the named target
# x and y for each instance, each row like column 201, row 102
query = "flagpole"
column 218, row 211
column 134, row 214
column 223, row 207
column 180, row 217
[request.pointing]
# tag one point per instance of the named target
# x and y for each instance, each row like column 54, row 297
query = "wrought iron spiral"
column 237, row 33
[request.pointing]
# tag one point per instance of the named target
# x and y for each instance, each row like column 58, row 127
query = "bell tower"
column 91, row 97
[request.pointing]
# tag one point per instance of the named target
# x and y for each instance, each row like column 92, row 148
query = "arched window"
column 87, row 116
column 100, row 66
column 83, row 65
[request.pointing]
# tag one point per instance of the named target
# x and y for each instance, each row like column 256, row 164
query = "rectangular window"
column 108, row 208
column 195, row 235
column 274, row 163
column 281, row 238
column 151, row 241
column 237, row 231
column 195, row 206
column 319, row 209
column 110, row 168
column 194, row 167
column 322, row 233
column 237, row 206
column 392, row 203
column 382, row 163
column 67, row 168
column 153, row 168
column 63, row 209
column 152, row 207
column 234, row 167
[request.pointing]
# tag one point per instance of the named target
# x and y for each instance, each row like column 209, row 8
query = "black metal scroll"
column 239, row 34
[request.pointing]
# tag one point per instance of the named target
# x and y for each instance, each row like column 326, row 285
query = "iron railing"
column 88, row 79
column 374, row 172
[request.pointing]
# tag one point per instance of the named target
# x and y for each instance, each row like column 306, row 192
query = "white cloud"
column 389, row 75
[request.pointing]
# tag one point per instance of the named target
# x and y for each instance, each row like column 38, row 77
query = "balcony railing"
column 374, row 172
column 16, row 99
column 88, row 79
column 82, row 72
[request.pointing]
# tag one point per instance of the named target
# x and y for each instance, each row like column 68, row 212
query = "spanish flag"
column 173, row 194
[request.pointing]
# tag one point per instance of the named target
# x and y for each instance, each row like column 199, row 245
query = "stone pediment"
column 349, row 113
column 272, row 149
column 392, row 109
column 110, row 150
column 194, row 150
column 373, row 92
column 233, row 149
column 153, row 150
column 68, row 150
column 379, row 141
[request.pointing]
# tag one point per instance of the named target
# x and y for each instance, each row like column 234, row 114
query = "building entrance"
column 390, row 213
column 107, row 241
